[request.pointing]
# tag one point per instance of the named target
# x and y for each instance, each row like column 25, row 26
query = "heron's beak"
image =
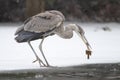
column 88, row 51
column 86, row 42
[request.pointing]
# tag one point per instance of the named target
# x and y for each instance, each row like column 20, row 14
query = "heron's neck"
column 66, row 31
column 72, row 27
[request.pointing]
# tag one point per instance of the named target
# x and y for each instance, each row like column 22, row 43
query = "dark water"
column 86, row 72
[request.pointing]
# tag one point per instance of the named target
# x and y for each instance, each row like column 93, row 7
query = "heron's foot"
column 41, row 63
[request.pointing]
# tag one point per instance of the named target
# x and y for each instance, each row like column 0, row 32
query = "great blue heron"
column 46, row 24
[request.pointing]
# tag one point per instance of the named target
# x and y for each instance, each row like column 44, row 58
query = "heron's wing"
column 22, row 26
column 43, row 22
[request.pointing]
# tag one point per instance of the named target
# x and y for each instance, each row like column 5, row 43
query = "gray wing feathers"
column 19, row 29
column 43, row 22
column 22, row 27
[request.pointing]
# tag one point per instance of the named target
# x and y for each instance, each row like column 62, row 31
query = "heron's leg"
column 40, row 47
column 37, row 58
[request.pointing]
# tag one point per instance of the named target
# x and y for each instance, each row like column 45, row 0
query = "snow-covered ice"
column 61, row 52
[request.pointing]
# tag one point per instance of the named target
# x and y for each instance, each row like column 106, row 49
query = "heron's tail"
column 21, row 39
column 25, row 36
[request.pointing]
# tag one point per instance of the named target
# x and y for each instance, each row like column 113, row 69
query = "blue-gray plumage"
column 46, row 24
column 25, row 36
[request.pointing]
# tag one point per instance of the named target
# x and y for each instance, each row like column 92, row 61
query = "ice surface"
column 61, row 52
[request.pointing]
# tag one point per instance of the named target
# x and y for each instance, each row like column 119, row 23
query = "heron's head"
column 80, row 32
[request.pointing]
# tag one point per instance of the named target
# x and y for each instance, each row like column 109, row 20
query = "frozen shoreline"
column 84, row 72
